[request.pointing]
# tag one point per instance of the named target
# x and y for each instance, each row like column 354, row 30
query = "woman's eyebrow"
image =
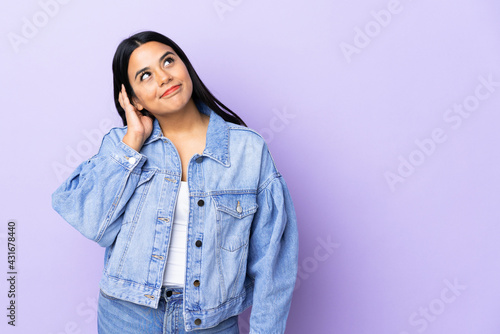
column 147, row 68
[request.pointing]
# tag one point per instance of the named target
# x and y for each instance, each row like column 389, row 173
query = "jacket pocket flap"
column 237, row 205
column 145, row 176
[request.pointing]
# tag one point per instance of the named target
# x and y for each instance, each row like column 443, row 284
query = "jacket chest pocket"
column 145, row 177
column 144, row 183
column 138, row 198
column 235, row 213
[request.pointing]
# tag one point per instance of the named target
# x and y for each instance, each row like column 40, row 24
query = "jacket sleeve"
column 273, row 257
column 94, row 196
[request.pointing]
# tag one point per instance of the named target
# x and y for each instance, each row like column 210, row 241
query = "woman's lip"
column 170, row 90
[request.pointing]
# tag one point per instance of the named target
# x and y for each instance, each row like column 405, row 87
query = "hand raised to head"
column 139, row 126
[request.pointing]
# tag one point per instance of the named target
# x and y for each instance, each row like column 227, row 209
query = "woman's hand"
column 139, row 127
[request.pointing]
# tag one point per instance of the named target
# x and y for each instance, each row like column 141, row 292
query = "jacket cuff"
column 129, row 158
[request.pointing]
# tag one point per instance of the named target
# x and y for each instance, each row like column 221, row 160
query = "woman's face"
column 159, row 78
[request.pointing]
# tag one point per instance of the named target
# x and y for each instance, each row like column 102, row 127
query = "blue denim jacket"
column 240, row 211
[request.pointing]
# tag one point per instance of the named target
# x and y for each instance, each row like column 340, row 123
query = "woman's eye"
column 168, row 61
column 146, row 75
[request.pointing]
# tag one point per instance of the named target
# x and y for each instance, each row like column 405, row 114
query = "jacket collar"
column 217, row 140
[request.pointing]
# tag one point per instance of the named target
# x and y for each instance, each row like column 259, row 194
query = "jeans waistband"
column 169, row 292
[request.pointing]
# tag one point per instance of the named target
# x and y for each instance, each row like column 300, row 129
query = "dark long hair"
column 200, row 91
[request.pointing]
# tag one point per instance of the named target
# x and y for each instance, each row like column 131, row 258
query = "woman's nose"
column 163, row 77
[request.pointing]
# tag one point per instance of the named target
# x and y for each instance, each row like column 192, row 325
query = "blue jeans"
column 122, row 317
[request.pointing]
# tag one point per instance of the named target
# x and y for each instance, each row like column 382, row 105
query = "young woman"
column 197, row 221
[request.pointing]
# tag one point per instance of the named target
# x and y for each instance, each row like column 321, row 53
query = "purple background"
column 336, row 122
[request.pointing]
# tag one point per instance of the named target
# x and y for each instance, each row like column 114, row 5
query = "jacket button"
column 199, row 159
column 201, row 202
column 197, row 322
column 169, row 293
column 198, row 243
column 196, row 283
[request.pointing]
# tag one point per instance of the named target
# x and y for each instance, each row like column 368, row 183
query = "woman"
column 197, row 222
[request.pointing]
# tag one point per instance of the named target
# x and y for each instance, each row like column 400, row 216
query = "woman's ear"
column 136, row 103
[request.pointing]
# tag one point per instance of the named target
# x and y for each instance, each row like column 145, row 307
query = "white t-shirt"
column 175, row 268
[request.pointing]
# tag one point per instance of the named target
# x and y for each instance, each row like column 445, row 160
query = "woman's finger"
column 126, row 100
column 132, row 115
column 120, row 100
